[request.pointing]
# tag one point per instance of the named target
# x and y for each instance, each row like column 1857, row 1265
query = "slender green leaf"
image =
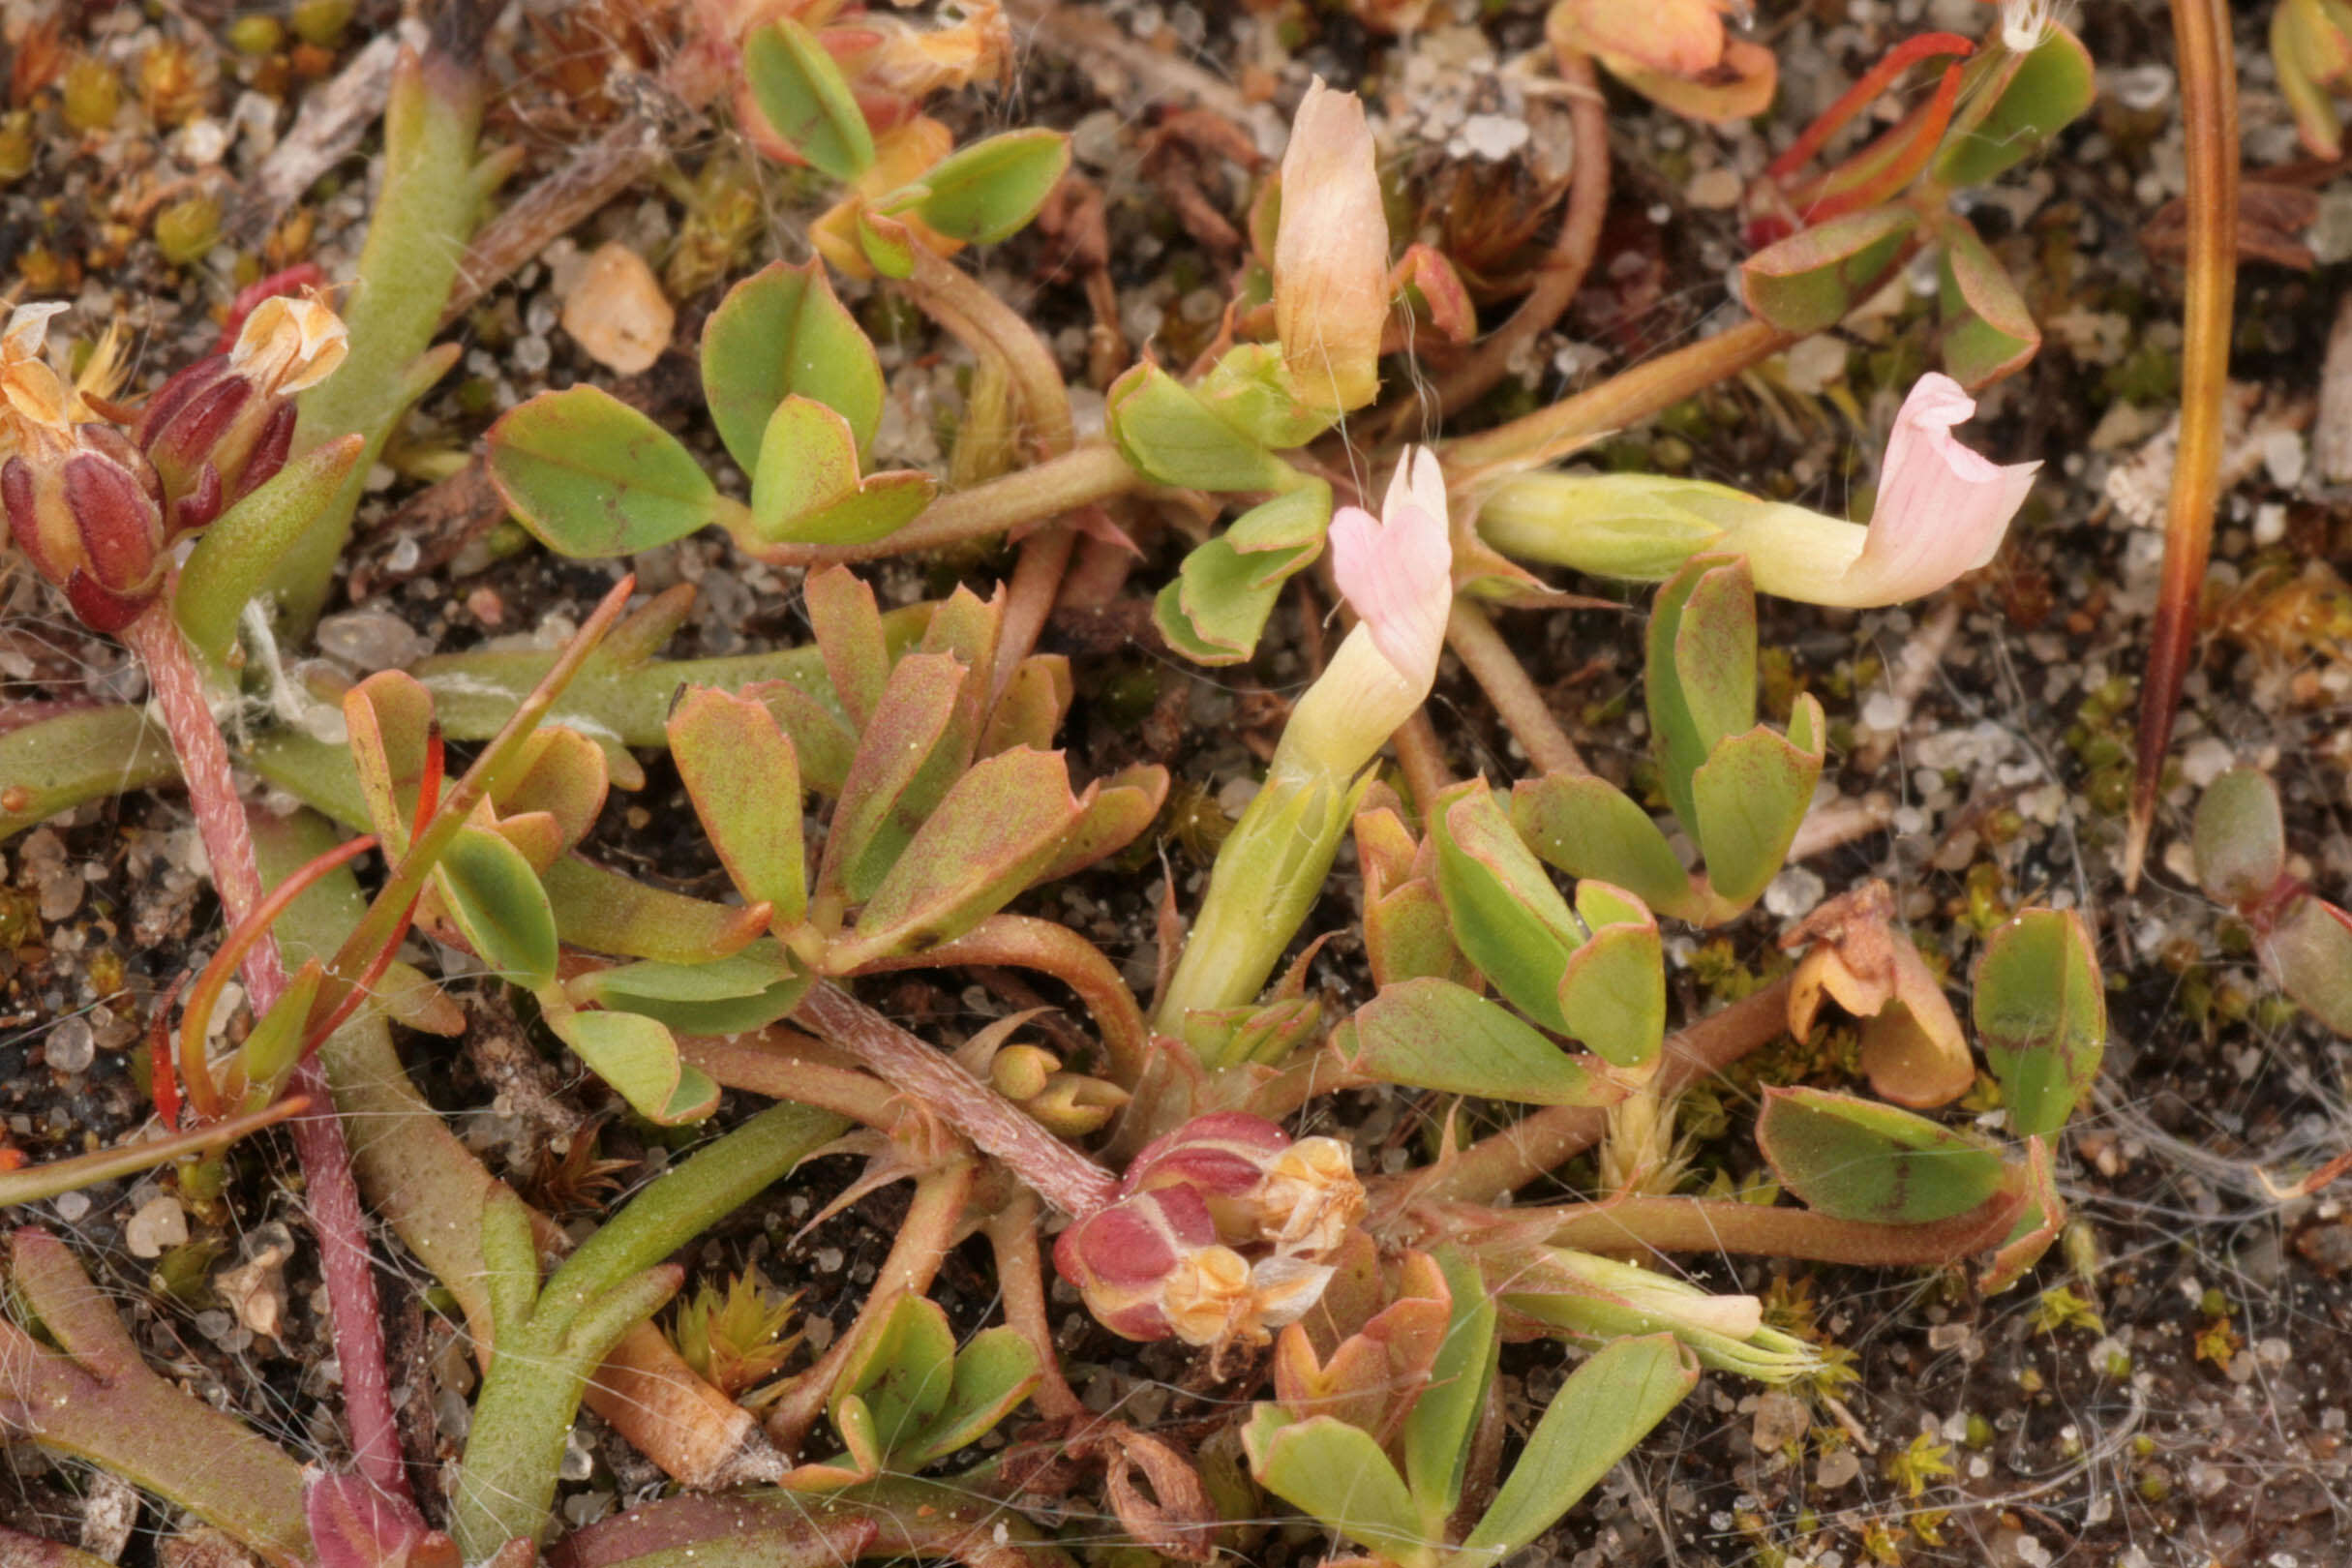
column 234, row 557
column 1433, row 1033
column 990, row 191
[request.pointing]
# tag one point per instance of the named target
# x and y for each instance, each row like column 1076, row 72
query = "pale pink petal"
column 1331, row 254
column 1942, row 509
column 1398, row 574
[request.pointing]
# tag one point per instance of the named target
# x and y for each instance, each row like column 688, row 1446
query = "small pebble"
column 159, row 1226
column 71, row 1045
column 618, row 313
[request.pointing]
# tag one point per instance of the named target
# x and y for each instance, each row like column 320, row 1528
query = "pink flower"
column 1942, row 510
column 1397, row 572
column 1331, row 254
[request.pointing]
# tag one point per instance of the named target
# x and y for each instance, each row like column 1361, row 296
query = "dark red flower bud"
column 92, row 523
column 226, row 424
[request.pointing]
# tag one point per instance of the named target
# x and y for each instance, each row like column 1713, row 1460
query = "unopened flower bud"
column 226, row 424
column 82, row 505
column 92, row 523
column 1331, row 254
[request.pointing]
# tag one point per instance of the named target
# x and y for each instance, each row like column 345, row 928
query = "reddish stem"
column 2208, row 116
column 1056, row 1172
column 1861, row 95
column 344, row 1265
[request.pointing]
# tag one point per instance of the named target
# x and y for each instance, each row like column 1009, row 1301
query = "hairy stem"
column 1688, row 1224
column 2208, row 116
column 35, row 1183
column 1545, row 1139
column 344, row 1265
column 1056, row 1172
column 1469, row 632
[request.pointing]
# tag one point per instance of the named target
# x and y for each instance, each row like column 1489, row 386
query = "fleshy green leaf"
column 494, row 896
column 1750, row 798
column 591, row 477
column 806, row 488
column 1588, row 827
column 2012, row 104
column 1858, row 1159
column 743, row 777
column 1508, row 918
column 1809, row 281
column 781, row 331
column 1613, row 991
column 234, row 557
column 1166, row 433
column 2041, row 1017
column 1436, row 1436
column 802, row 92
column 994, row 1373
column 599, row 909
column 1337, row 1473
column 1217, row 607
column 2240, row 837
column 903, row 1369
column 990, row 191
column 745, row 990
column 1701, row 681
column 1987, row 330
column 636, row 1055
column 1433, row 1033
column 1252, row 389
column 1604, row 1407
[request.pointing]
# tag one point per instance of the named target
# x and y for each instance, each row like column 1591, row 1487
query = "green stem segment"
column 551, row 1340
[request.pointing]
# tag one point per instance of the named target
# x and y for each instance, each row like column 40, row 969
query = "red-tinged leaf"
column 1588, row 827
column 1987, row 330
column 1434, row 292
column 848, row 626
column 1883, row 169
column 1863, row 94
column 536, row 835
column 1032, row 705
column 1740, row 87
column 743, row 777
column 997, row 827
column 1809, row 281
column 1858, row 1160
column 390, row 719
column 807, row 489
column 591, row 477
column 2041, row 1017
column 807, row 101
column 1122, row 806
column 782, row 331
column 562, row 773
column 886, row 244
column 2311, row 953
column 823, row 743
column 880, row 807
